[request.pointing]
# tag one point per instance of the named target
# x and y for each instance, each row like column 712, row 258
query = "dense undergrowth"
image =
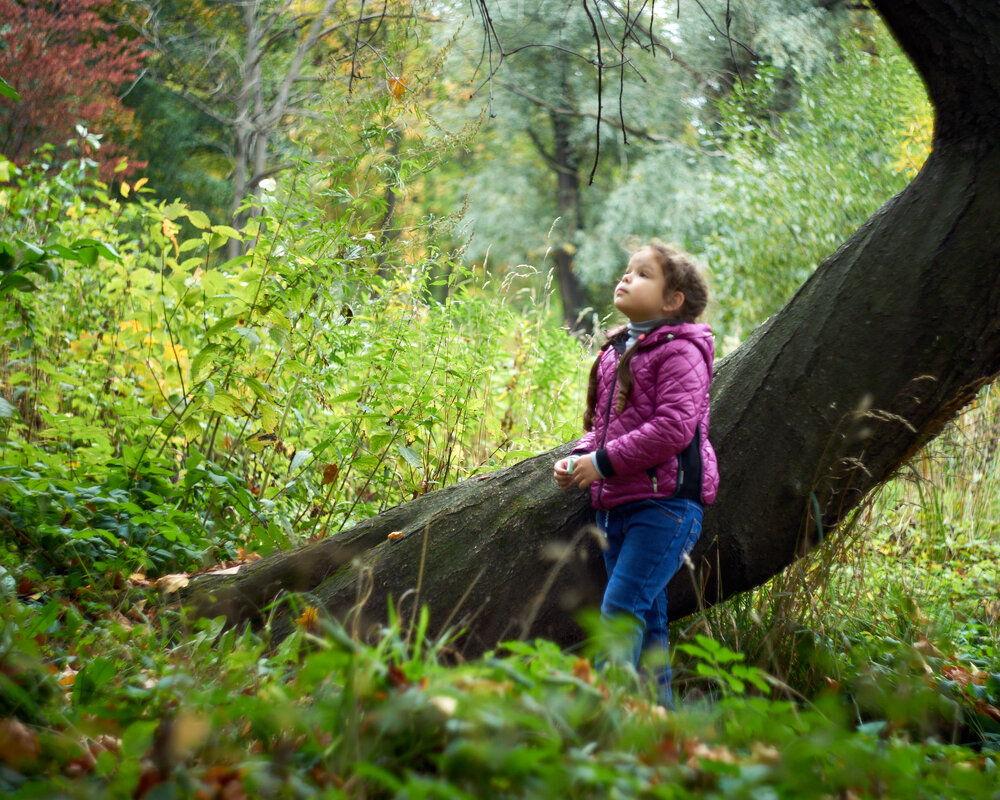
column 157, row 421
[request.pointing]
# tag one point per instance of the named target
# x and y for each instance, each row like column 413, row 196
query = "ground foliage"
column 164, row 410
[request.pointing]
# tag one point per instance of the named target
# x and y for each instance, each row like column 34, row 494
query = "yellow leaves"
column 83, row 343
column 169, row 229
column 397, row 87
column 126, row 190
column 260, row 440
column 268, row 417
column 308, row 620
column 227, row 404
column 395, row 536
column 915, row 142
column 67, row 677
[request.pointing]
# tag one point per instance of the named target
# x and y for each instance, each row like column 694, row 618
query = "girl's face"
column 641, row 293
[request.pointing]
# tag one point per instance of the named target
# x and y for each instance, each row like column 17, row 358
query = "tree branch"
column 307, row 44
column 578, row 113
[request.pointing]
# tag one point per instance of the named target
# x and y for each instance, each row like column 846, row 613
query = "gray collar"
column 637, row 328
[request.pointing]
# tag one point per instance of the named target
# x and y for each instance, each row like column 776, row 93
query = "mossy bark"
column 888, row 339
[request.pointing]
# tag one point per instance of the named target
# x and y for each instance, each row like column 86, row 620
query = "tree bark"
column 889, row 338
column 566, row 165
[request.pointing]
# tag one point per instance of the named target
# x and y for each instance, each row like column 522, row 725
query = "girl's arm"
column 587, row 443
column 682, row 393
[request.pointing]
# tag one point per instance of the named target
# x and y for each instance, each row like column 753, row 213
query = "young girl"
column 646, row 456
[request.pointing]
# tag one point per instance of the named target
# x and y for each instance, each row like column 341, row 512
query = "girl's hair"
column 681, row 274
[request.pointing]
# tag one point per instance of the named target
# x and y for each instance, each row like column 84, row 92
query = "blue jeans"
column 647, row 541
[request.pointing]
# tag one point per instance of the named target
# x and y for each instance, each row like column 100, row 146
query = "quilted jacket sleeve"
column 682, row 381
column 586, row 444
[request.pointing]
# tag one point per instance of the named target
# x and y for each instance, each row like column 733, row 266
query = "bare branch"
column 653, row 42
column 307, row 44
column 580, row 113
column 547, row 157
column 600, row 93
column 254, row 182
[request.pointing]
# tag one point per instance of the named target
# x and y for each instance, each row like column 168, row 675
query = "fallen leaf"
column 446, row 705
column 395, row 536
column 309, row 619
column 769, row 754
column 226, row 782
column 330, row 473
column 121, row 619
column 583, row 670
column 397, row 677
column 18, row 745
column 926, row 647
column 988, row 709
column 697, row 750
column 962, row 676
column 188, row 732
column 245, row 557
column 172, row 583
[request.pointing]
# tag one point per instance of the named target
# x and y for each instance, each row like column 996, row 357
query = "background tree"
column 187, row 152
column 550, row 116
column 255, row 67
column 70, row 66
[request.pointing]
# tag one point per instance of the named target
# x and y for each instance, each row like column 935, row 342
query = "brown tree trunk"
column 566, row 164
column 890, row 337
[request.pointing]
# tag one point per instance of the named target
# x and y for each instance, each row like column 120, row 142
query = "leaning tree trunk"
column 890, row 337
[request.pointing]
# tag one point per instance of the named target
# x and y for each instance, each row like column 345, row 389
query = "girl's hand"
column 583, row 471
column 562, row 473
column 577, row 470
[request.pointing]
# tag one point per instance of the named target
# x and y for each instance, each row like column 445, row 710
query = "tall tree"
column 882, row 345
column 546, row 105
column 553, row 118
column 255, row 66
column 69, row 66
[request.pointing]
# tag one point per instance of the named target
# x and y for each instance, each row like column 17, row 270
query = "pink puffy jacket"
column 658, row 446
